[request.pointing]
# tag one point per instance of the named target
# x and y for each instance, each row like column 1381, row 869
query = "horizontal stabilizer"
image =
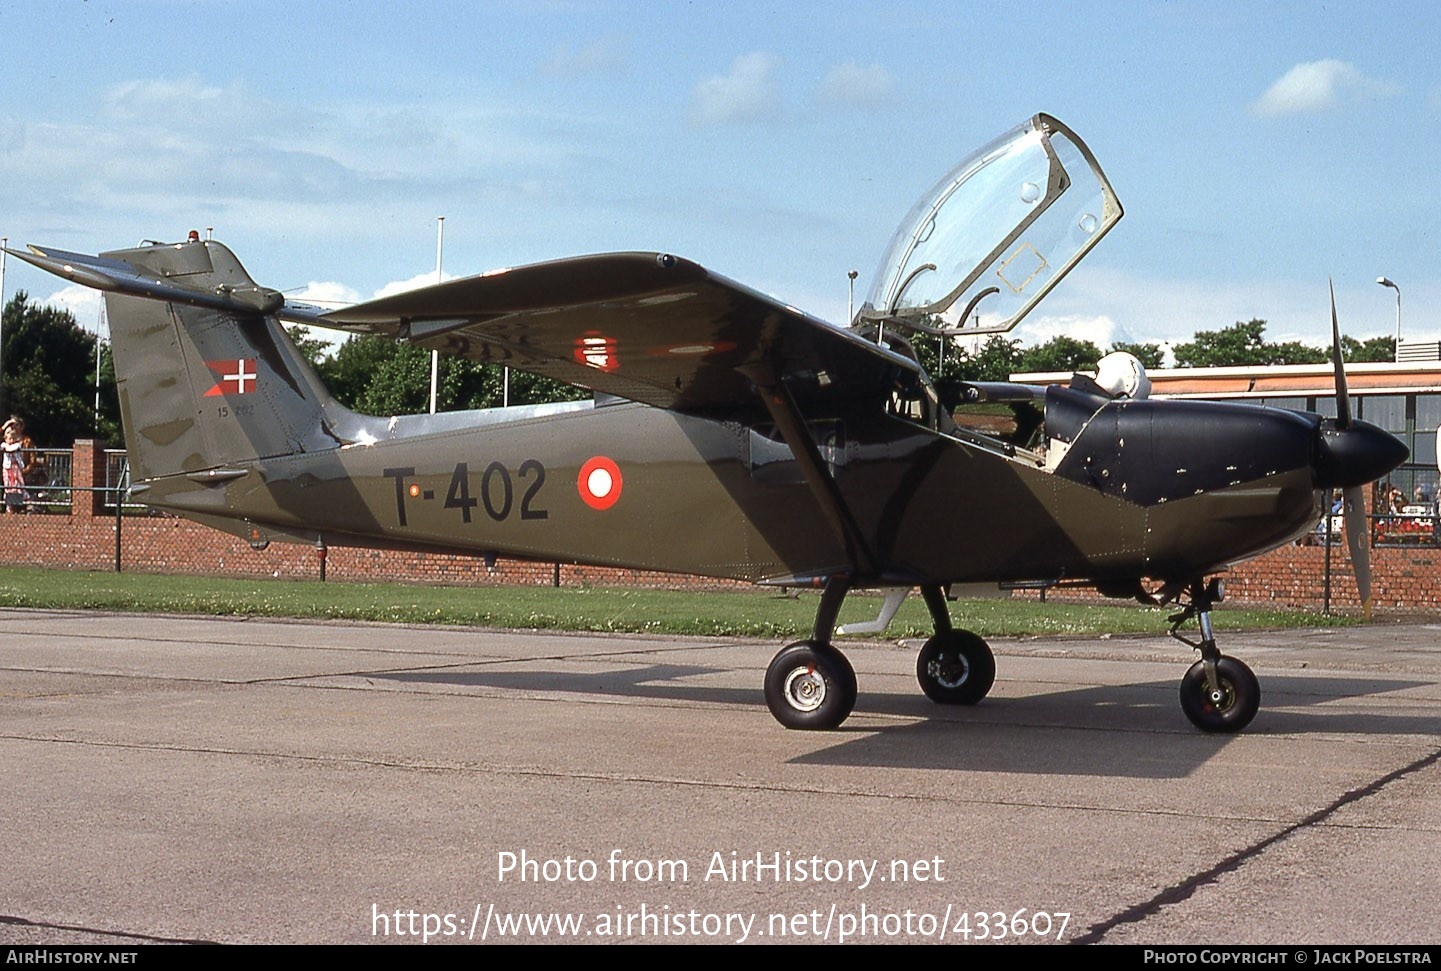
column 199, row 273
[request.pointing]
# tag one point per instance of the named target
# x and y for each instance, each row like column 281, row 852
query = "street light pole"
column 4, row 242
column 1387, row 283
column 851, row 300
column 434, row 354
column 99, row 322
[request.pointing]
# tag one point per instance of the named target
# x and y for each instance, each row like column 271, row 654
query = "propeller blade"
column 1358, row 540
column 1343, row 397
column 1358, row 543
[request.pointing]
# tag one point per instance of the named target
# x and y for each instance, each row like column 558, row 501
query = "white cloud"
column 748, row 92
column 328, row 294
column 413, row 283
column 185, row 153
column 1036, row 330
column 1320, row 86
column 602, row 55
column 83, row 302
column 850, row 85
column 143, row 98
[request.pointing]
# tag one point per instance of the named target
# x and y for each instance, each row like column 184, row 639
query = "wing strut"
column 791, row 424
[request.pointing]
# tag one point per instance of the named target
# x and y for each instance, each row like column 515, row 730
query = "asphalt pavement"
column 197, row 779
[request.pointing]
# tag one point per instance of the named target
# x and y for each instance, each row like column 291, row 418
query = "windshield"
column 992, row 237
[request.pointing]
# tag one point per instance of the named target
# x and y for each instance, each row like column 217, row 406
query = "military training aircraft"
column 731, row 435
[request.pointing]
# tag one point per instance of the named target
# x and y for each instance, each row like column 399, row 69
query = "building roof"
column 1290, row 380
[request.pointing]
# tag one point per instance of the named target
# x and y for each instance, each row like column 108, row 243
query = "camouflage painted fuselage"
column 721, row 499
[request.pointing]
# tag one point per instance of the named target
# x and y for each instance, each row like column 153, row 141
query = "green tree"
column 1243, row 344
column 1233, row 346
column 1377, row 349
column 355, row 365
column 1294, row 352
column 1061, row 353
column 47, row 375
column 939, row 356
column 996, row 360
column 1150, row 355
column 313, row 349
column 379, row 376
column 400, row 384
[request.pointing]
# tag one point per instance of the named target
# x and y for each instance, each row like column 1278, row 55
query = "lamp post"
column 851, row 300
column 4, row 242
column 435, row 354
column 1387, row 283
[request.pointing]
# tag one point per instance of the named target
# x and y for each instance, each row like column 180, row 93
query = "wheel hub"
column 805, row 690
column 950, row 671
column 1222, row 698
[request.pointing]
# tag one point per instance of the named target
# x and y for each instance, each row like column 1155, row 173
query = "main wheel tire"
column 810, row 686
column 956, row 668
column 1237, row 698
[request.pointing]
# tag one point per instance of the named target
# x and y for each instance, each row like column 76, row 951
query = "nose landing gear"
column 1218, row 693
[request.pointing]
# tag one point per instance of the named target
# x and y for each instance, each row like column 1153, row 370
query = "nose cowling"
column 1354, row 455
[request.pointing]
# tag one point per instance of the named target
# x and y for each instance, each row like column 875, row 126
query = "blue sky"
column 1257, row 148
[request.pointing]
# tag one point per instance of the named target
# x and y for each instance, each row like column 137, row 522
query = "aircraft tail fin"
column 207, row 376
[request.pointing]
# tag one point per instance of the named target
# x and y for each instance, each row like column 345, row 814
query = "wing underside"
column 649, row 327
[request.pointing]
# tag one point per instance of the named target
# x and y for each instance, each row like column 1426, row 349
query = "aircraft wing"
column 645, row 326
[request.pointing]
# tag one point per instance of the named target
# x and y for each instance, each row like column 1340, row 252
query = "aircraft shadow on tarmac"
column 1004, row 734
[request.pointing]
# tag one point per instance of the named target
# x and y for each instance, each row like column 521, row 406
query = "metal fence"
column 49, row 483
column 1404, row 529
column 117, row 481
column 1385, row 530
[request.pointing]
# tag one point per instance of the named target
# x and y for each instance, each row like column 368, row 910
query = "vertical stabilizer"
column 207, row 376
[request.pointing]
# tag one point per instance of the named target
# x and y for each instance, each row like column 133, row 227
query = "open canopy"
column 982, row 247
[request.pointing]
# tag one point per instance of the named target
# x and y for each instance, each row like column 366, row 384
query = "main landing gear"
column 955, row 667
column 1218, row 693
column 811, row 685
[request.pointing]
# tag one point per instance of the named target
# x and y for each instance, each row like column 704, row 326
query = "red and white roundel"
column 599, row 482
column 594, row 349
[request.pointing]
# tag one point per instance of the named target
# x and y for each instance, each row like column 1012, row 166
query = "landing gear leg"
column 810, row 684
column 1218, row 693
column 955, row 667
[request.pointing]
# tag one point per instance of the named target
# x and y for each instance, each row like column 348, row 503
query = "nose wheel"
column 1219, row 693
column 1229, row 704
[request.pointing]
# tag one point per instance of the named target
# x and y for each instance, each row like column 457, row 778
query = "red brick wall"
column 1292, row 576
column 1406, row 578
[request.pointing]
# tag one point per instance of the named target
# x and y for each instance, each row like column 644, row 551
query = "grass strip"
column 759, row 612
